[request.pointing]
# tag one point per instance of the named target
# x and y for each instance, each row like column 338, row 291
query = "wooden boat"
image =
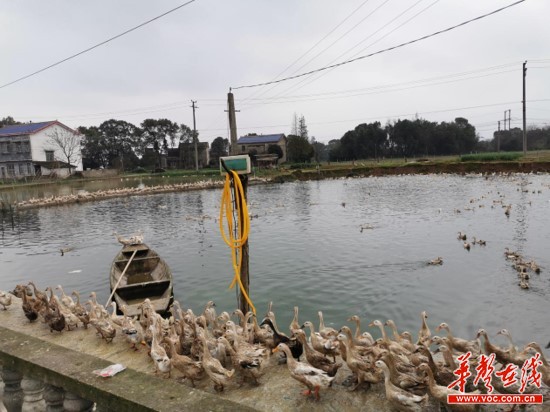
column 147, row 276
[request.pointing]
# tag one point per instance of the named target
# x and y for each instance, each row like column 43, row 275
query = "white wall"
column 39, row 145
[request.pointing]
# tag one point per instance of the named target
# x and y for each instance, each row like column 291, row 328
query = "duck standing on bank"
column 313, row 378
column 399, row 398
column 28, row 303
column 5, row 299
column 293, row 344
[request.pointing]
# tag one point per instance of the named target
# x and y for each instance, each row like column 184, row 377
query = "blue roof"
column 263, row 138
column 27, row 128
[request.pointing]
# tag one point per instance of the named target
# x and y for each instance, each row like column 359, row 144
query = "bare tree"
column 67, row 144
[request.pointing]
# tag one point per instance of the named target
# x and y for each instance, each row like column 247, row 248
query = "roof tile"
column 27, row 128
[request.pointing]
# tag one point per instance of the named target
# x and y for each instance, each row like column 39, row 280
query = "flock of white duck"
column 226, row 352
column 112, row 193
column 83, row 197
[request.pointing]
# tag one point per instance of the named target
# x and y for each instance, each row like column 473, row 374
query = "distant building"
column 27, row 150
column 259, row 144
column 187, row 155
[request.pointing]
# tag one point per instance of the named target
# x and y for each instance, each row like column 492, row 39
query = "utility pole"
column 524, row 118
column 245, row 273
column 498, row 137
column 505, row 111
column 232, row 124
column 509, row 118
column 195, row 140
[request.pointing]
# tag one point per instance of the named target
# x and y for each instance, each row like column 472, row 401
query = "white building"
column 39, row 149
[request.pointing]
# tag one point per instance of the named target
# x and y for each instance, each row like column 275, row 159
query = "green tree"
column 120, row 138
column 160, row 131
column 275, row 149
column 186, row 134
column 299, row 150
column 95, row 153
column 320, row 151
column 334, row 149
column 302, row 128
column 219, row 148
column 8, row 121
column 156, row 133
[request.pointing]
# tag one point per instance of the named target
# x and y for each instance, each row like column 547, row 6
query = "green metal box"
column 240, row 164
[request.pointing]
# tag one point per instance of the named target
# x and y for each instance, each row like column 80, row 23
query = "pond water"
column 307, row 249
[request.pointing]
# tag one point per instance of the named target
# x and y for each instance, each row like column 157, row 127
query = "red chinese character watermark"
column 529, row 372
column 485, row 371
column 463, row 372
column 508, row 375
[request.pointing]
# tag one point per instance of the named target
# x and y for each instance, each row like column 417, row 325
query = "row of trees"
column 405, row 138
column 117, row 143
column 120, row 144
column 512, row 140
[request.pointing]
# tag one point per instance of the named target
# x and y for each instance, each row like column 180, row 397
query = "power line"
column 315, row 45
column 372, row 90
column 97, row 45
column 438, row 80
column 385, row 88
column 304, row 82
column 391, row 116
column 342, row 36
column 383, row 50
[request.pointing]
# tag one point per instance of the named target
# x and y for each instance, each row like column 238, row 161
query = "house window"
column 3, row 172
column 21, row 169
column 243, row 148
column 29, row 169
column 11, row 170
column 4, row 147
column 17, row 147
column 49, row 156
column 25, row 147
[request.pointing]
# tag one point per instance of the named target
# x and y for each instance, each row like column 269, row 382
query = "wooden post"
column 498, row 137
column 232, row 124
column 524, row 118
column 245, row 275
column 195, row 140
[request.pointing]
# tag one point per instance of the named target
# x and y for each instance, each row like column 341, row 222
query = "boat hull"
column 146, row 276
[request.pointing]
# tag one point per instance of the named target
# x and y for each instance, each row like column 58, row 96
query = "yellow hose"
column 236, row 244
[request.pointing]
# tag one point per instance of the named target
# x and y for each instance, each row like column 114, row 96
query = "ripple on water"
column 307, row 249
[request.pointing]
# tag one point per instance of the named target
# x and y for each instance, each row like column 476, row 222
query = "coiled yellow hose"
column 227, row 214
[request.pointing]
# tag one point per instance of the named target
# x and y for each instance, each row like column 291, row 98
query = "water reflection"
column 307, row 249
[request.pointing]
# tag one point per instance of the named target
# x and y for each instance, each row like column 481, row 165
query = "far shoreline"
column 211, row 180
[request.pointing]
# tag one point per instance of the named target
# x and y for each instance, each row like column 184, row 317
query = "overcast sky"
column 201, row 50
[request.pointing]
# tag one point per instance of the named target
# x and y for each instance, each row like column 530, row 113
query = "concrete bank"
column 130, row 390
column 67, row 360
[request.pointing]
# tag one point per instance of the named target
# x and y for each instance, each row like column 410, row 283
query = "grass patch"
column 491, row 157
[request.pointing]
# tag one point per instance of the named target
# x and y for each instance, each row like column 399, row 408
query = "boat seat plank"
column 138, row 259
column 144, row 289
